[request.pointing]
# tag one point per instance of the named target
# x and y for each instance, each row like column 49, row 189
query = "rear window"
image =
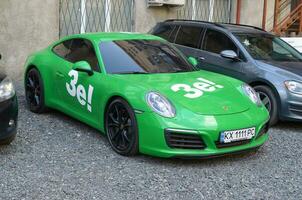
column 142, row 56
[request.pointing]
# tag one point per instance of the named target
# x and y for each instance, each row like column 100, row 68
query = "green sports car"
column 145, row 96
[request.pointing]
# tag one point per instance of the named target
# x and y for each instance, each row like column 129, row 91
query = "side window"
column 277, row 48
column 216, row 42
column 189, row 36
column 63, row 48
column 82, row 50
column 173, row 34
column 164, row 31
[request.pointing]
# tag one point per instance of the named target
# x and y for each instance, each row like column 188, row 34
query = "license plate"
column 237, row 135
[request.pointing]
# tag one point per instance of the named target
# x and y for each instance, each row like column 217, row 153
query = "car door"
column 78, row 89
column 61, row 66
column 214, row 42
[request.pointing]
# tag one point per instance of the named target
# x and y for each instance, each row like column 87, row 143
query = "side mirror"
column 83, row 66
column 193, row 61
column 229, row 54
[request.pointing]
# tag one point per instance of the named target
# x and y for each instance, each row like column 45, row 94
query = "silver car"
column 248, row 53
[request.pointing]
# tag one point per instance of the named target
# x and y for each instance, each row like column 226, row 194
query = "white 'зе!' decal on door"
column 79, row 91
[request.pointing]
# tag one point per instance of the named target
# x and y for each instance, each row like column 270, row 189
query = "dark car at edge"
column 8, row 110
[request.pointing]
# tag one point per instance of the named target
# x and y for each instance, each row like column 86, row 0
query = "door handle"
column 59, row 74
column 201, row 58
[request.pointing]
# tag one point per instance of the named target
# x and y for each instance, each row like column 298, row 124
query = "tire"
column 121, row 127
column 8, row 140
column 34, row 91
column 269, row 99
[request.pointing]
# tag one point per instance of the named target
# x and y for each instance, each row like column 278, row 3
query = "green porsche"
column 145, row 96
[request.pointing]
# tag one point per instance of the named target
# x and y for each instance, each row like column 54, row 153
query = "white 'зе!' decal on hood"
column 198, row 88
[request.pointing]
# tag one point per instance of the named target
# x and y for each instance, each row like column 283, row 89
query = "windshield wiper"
column 181, row 70
column 133, row 72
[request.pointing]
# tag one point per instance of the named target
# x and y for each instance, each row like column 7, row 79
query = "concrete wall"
column 233, row 11
column 147, row 17
column 26, row 26
column 252, row 12
column 270, row 15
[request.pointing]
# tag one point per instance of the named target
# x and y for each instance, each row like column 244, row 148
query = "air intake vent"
column 297, row 109
column 183, row 140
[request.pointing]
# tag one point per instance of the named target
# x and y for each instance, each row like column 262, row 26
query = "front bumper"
column 218, row 155
column 291, row 106
column 8, row 118
column 152, row 138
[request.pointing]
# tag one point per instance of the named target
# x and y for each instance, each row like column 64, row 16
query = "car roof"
column 233, row 28
column 239, row 28
column 104, row 36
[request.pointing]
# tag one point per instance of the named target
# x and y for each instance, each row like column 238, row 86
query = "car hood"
column 226, row 97
column 294, row 67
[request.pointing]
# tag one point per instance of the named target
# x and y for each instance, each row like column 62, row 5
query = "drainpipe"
column 264, row 14
column 230, row 11
column 276, row 15
column 238, row 12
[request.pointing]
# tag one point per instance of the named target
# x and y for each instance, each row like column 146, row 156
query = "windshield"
column 142, row 56
column 268, row 48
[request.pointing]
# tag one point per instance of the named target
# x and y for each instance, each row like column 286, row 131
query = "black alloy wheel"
column 34, row 91
column 265, row 100
column 269, row 100
column 121, row 127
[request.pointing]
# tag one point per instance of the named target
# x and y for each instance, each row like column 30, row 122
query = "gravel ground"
column 56, row 157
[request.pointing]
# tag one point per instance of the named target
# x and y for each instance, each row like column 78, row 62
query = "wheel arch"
column 115, row 96
column 45, row 86
column 271, row 86
column 109, row 100
column 28, row 68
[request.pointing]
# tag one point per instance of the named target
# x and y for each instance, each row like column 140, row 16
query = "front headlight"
column 294, row 86
column 7, row 90
column 160, row 104
column 252, row 94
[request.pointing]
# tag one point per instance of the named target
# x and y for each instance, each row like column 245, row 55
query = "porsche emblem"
column 225, row 108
